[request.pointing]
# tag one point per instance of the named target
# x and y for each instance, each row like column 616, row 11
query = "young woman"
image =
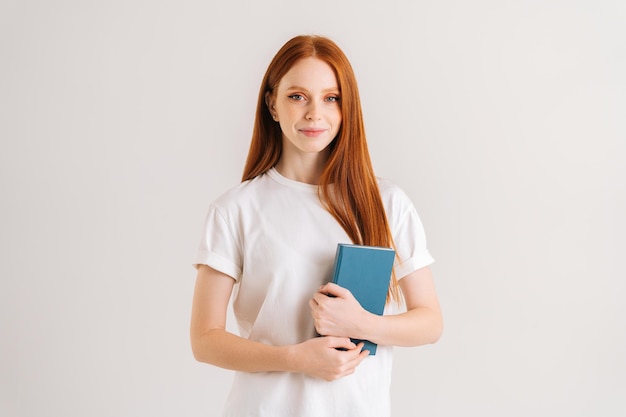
column 308, row 185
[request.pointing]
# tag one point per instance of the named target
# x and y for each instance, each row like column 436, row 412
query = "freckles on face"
column 307, row 106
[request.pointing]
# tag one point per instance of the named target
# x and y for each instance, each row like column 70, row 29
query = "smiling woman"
column 308, row 185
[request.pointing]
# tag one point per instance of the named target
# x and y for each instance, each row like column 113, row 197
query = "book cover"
column 366, row 272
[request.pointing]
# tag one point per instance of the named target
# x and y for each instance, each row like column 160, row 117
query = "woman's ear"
column 269, row 102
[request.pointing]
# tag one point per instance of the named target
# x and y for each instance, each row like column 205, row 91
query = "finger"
column 363, row 353
column 360, row 347
column 360, row 358
column 334, row 290
column 360, row 355
column 341, row 342
column 319, row 298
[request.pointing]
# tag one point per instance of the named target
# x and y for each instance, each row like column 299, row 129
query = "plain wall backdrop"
column 120, row 121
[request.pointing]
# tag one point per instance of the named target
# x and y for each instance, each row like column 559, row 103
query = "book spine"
column 337, row 265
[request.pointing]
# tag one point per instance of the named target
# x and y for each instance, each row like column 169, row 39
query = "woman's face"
column 307, row 106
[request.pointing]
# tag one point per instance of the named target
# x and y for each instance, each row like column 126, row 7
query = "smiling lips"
column 312, row 132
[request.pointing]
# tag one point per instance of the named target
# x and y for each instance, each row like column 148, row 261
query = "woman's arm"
column 211, row 343
column 342, row 315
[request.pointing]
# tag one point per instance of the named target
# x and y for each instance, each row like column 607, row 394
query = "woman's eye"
column 297, row 97
column 332, row 99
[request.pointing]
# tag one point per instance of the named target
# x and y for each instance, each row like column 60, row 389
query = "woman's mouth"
column 312, row 132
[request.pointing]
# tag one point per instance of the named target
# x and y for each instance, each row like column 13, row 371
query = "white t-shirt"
column 274, row 237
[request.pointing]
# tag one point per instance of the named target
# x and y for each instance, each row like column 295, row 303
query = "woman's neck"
column 302, row 168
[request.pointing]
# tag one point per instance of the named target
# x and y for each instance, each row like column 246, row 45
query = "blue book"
column 366, row 272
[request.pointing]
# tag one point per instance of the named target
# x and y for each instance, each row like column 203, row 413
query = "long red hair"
column 354, row 198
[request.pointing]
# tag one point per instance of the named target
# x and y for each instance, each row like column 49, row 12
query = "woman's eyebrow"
column 326, row 90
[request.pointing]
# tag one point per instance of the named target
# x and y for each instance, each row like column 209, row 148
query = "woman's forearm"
column 416, row 327
column 226, row 350
column 336, row 312
column 421, row 324
column 327, row 358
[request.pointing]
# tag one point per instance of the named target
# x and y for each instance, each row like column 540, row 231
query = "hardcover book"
column 366, row 272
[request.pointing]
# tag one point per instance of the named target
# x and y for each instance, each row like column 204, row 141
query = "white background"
column 504, row 121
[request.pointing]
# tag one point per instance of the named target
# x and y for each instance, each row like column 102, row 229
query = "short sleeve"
column 409, row 236
column 218, row 246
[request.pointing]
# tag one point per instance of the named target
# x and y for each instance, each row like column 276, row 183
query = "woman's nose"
column 312, row 112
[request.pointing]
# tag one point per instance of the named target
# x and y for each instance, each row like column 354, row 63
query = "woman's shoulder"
column 240, row 193
column 388, row 188
column 393, row 196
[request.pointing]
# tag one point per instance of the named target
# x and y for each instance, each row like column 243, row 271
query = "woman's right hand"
column 320, row 357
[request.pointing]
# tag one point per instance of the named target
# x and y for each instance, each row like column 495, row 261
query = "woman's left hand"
column 337, row 313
